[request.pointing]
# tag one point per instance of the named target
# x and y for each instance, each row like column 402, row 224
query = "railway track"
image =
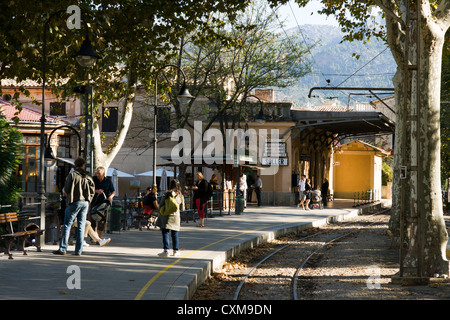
column 292, row 258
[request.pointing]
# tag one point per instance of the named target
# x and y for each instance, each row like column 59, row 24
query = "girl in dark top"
column 308, row 192
column 200, row 197
column 150, row 201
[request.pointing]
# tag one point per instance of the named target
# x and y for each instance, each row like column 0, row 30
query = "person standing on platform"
column 257, row 186
column 79, row 190
column 307, row 192
column 103, row 185
column 171, row 223
column 200, row 197
column 301, row 191
column 151, row 204
column 324, row 192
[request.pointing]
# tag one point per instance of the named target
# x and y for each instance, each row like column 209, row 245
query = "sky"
column 303, row 15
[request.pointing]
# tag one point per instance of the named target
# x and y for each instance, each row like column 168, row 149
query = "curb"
column 206, row 270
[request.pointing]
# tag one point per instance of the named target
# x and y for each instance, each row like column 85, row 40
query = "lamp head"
column 260, row 118
column 86, row 56
column 184, row 96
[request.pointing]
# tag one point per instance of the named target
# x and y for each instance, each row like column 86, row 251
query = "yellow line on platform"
column 149, row 283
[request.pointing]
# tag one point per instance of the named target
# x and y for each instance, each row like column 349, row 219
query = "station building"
column 310, row 141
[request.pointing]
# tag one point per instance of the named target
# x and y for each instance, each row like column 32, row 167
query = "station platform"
column 129, row 268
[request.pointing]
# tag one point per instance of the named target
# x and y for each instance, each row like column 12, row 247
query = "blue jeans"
column 166, row 244
column 76, row 210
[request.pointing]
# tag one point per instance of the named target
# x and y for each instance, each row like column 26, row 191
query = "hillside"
column 334, row 60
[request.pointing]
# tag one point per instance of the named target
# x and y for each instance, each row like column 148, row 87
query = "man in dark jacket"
column 103, row 188
column 324, row 192
column 79, row 191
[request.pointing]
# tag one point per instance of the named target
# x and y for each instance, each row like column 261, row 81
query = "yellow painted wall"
column 357, row 168
column 353, row 174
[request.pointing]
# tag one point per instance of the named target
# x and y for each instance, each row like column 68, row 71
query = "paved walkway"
column 128, row 267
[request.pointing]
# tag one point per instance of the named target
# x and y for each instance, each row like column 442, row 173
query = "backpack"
column 170, row 205
column 87, row 185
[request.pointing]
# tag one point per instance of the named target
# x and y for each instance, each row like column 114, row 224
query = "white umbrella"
column 159, row 173
column 120, row 174
column 115, row 181
column 163, row 183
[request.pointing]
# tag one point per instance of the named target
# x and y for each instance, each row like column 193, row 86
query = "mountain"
column 336, row 61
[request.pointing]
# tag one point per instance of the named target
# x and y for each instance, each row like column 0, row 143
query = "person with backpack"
column 79, row 190
column 169, row 219
column 200, row 197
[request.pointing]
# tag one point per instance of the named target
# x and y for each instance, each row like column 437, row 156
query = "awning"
column 343, row 124
column 120, row 174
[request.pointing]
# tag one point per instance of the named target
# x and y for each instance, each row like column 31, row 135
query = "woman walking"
column 304, row 192
column 171, row 223
column 308, row 189
column 200, row 197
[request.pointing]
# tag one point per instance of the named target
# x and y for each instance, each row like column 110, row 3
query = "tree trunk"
column 105, row 157
column 418, row 147
column 430, row 214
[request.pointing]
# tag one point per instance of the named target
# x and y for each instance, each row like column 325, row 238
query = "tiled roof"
column 26, row 115
column 26, row 83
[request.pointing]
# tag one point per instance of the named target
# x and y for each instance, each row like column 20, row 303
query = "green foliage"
column 133, row 38
column 256, row 55
column 10, row 139
column 386, row 173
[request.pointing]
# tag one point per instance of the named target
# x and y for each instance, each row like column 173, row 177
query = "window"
column 111, row 119
column 57, row 108
column 163, row 120
column 29, row 169
column 63, row 147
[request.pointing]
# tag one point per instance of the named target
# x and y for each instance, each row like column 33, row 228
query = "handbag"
column 99, row 210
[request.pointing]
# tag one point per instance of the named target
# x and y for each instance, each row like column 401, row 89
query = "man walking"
column 79, row 191
column 258, row 186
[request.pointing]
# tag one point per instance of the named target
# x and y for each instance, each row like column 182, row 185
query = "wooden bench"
column 30, row 229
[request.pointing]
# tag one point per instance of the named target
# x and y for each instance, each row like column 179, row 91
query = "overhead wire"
column 363, row 66
column 309, row 50
column 306, row 43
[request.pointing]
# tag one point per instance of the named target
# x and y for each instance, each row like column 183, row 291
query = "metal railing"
column 366, row 197
column 125, row 212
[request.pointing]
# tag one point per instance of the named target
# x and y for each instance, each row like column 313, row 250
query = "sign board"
column 305, row 157
column 403, row 172
column 274, row 161
column 275, row 148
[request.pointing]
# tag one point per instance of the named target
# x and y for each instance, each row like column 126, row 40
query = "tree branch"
column 389, row 12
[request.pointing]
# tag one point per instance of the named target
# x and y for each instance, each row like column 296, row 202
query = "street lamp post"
column 41, row 192
column 86, row 57
column 48, row 155
column 260, row 118
column 184, row 96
